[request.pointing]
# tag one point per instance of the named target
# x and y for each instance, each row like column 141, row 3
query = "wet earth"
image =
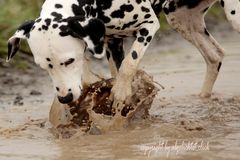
column 181, row 126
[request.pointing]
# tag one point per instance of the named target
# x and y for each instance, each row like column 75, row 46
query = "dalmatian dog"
column 66, row 30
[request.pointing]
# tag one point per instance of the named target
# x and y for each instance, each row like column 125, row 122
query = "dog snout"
column 67, row 99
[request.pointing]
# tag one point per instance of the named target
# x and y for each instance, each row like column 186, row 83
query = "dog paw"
column 205, row 95
column 120, row 92
column 122, row 89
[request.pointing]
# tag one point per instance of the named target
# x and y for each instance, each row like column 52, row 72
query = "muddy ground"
column 182, row 125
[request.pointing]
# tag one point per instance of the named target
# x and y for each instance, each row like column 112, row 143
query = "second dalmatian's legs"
column 189, row 22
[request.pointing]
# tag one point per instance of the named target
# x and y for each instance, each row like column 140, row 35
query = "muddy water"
column 182, row 125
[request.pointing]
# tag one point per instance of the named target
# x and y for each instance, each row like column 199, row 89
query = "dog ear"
column 21, row 33
column 74, row 27
column 13, row 47
column 95, row 28
column 92, row 33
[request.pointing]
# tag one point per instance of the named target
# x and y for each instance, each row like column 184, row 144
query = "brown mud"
column 93, row 112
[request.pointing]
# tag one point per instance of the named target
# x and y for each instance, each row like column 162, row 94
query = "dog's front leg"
column 115, row 55
column 122, row 87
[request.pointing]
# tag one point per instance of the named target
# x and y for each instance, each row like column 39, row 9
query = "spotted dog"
column 66, row 29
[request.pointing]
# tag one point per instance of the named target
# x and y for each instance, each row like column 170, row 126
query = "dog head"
column 60, row 51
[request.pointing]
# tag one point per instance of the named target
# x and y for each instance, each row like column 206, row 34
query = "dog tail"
column 22, row 32
column 232, row 11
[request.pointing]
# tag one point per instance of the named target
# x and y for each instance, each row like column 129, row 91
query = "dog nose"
column 67, row 99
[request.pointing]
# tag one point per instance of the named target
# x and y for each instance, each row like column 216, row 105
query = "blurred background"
column 12, row 14
column 15, row 12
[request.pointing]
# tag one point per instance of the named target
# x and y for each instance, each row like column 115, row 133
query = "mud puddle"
column 182, row 125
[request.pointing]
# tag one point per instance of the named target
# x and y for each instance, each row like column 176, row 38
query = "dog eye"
column 68, row 62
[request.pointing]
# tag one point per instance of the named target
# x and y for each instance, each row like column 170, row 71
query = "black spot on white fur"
column 50, row 66
column 233, row 12
column 57, row 16
column 121, row 12
column 219, row 66
column 139, row 1
column 147, row 16
column 144, row 32
column 149, row 38
column 134, row 55
column 128, row 25
column 205, row 10
column 58, row 6
column 135, row 16
column 141, row 39
column 144, row 9
column 55, row 26
column 38, row 20
column 68, row 62
column 206, row 32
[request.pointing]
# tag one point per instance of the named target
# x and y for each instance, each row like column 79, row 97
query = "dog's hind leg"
column 232, row 11
column 115, row 54
column 189, row 22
